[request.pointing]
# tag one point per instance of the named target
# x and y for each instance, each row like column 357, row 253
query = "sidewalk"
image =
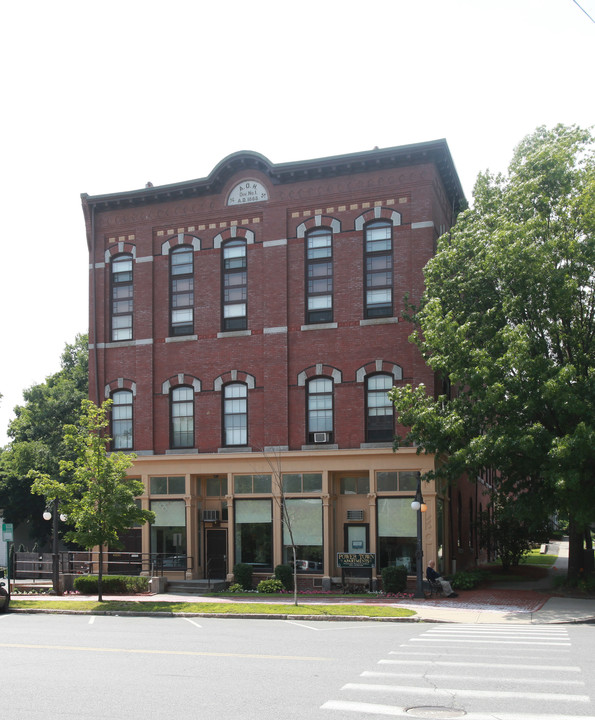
column 506, row 604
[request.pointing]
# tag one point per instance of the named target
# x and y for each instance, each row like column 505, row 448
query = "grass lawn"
column 115, row 606
column 535, row 558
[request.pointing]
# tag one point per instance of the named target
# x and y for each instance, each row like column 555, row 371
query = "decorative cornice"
column 436, row 152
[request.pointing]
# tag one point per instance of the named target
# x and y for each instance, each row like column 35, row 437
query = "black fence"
column 38, row 566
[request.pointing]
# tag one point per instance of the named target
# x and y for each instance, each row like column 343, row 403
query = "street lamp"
column 47, row 515
column 420, row 507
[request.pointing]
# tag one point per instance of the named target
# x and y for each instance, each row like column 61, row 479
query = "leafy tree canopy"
column 508, row 320
column 36, row 433
column 98, row 497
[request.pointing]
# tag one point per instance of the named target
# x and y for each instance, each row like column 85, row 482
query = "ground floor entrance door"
column 356, row 538
column 216, row 553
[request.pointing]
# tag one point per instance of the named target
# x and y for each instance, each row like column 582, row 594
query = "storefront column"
column 327, row 536
column 192, row 539
column 230, row 532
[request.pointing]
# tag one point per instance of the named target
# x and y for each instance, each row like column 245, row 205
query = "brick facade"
column 275, row 356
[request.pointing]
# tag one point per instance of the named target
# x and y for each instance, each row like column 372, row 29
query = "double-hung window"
column 235, row 283
column 182, row 417
column 319, row 276
column 320, row 410
column 122, row 297
column 379, row 409
column 379, row 269
column 235, row 414
column 122, row 420
column 182, row 291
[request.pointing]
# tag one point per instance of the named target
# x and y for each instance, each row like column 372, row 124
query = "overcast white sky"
column 101, row 97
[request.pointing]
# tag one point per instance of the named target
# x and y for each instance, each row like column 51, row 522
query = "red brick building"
column 247, row 327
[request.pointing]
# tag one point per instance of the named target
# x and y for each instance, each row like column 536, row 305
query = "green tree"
column 508, row 321
column 36, row 434
column 99, row 498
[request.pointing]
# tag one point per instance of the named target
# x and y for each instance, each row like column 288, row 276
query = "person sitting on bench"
column 433, row 576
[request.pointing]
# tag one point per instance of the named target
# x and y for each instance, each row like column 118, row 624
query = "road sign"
column 7, row 532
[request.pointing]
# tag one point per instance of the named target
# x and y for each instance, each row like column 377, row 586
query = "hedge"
column 111, row 584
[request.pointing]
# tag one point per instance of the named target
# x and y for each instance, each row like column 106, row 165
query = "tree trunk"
column 100, row 576
column 295, row 602
column 575, row 551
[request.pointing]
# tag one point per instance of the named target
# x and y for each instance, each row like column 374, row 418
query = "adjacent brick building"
column 247, row 327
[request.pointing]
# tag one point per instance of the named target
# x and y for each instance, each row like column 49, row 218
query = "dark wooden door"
column 216, row 553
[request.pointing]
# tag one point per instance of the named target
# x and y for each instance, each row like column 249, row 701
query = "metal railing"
column 38, row 566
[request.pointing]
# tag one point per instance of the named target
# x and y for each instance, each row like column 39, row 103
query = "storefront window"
column 168, row 533
column 251, row 484
column 305, row 520
column 355, row 485
column 216, row 487
column 171, row 485
column 254, row 533
column 397, row 533
column 302, row 482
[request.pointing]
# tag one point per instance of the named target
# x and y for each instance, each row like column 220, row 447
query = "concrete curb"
column 243, row 616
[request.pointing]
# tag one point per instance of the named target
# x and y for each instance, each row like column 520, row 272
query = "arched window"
column 235, row 414
column 319, row 276
column 380, row 423
column 122, row 420
column 122, row 297
column 235, row 283
column 182, row 417
column 378, row 300
column 182, row 290
column 320, row 410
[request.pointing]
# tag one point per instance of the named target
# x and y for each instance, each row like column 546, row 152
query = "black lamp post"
column 420, row 507
column 47, row 515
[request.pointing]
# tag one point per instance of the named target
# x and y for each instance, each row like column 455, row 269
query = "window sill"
column 240, row 449
column 234, row 333
column 320, row 326
column 180, row 338
column 182, row 451
column 320, row 446
column 386, row 444
column 379, row 321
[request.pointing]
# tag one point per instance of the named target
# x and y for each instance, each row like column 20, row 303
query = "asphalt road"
column 91, row 667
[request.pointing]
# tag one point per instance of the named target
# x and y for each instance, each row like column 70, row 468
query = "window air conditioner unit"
column 355, row 514
column 320, row 437
column 210, row 515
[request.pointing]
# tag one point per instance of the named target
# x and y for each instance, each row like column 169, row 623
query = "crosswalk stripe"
column 492, row 642
column 447, row 676
column 449, row 692
column 451, row 663
column 401, row 712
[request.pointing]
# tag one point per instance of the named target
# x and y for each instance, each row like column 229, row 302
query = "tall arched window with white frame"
column 235, row 414
column 380, row 423
column 319, row 276
column 182, row 290
column 122, row 420
column 320, row 410
column 378, row 253
column 235, row 286
column 122, row 297
column 182, row 417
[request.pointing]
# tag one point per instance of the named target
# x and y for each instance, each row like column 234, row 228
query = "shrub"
column 235, row 588
column 270, row 586
column 394, row 578
column 242, row 573
column 111, row 584
column 285, row 574
column 467, row 579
